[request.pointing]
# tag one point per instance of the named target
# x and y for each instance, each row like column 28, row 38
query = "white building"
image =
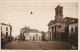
column 6, row 30
column 33, row 36
column 30, row 34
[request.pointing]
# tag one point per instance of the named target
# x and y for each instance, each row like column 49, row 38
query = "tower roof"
column 59, row 6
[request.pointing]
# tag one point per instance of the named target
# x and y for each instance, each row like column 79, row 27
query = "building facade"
column 73, row 28
column 6, row 30
column 30, row 34
column 59, row 28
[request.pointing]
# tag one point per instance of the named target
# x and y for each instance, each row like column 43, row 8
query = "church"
column 58, row 29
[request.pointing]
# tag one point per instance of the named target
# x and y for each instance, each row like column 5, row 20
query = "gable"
column 51, row 22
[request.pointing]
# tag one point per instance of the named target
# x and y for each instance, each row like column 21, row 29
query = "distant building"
column 6, row 30
column 59, row 28
column 30, row 34
column 47, row 36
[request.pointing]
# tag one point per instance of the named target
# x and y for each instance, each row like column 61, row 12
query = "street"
column 37, row 45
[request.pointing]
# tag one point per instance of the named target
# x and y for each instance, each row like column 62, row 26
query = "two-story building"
column 30, row 34
column 6, row 31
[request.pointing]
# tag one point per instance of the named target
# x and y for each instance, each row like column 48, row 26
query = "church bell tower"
column 58, row 13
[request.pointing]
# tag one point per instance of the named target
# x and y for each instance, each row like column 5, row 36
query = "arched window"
column 71, row 29
column 60, row 11
column 76, row 29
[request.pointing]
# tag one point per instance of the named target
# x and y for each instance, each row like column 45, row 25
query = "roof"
column 59, row 7
column 54, row 21
column 51, row 22
column 70, row 20
column 28, row 30
column 67, row 20
column 34, row 30
column 5, row 24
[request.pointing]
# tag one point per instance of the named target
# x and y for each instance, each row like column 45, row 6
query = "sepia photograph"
column 39, row 25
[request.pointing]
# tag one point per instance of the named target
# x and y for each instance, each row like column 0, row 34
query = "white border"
column 46, row 50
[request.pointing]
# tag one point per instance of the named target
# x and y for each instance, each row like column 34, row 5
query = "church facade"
column 58, row 29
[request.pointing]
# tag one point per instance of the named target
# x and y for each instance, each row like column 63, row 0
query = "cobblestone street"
column 37, row 45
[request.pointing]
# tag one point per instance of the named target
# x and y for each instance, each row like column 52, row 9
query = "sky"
column 18, row 14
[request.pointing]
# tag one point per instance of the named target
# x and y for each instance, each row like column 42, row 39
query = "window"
column 60, row 11
column 71, row 29
column 76, row 29
column 6, row 28
column 6, row 33
column 1, row 28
